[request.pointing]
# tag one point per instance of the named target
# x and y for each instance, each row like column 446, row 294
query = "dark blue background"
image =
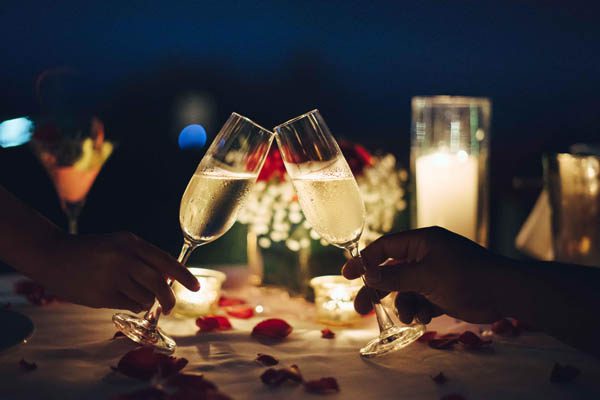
column 358, row 61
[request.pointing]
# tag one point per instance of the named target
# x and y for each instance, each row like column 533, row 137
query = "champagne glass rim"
column 238, row 115
column 299, row 117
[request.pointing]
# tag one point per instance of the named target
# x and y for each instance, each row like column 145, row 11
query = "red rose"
column 273, row 166
column 356, row 155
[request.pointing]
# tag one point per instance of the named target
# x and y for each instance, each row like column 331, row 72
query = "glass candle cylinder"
column 334, row 299
column 449, row 164
column 573, row 185
column 203, row 302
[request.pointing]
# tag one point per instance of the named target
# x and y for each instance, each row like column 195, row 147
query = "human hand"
column 434, row 272
column 114, row 271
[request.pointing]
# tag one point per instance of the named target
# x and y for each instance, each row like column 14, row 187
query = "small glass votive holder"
column 334, row 299
column 203, row 302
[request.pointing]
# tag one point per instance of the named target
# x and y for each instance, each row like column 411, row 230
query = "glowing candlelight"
column 334, row 299
column 447, row 192
column 203, row 302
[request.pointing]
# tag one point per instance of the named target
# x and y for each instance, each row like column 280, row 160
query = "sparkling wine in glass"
column 331, row 201
column 208, row 208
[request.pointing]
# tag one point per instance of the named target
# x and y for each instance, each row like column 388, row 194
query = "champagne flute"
column 331, row 202
column 208, row 208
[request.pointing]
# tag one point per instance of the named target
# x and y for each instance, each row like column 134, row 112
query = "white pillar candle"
column 447, row 192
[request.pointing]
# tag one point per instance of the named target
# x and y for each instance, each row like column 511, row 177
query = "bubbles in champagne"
column 211, row 202
column 333, row 206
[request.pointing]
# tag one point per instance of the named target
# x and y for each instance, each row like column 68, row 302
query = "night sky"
column 358, row 62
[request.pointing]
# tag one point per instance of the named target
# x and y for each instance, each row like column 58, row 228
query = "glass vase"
column 449, row 164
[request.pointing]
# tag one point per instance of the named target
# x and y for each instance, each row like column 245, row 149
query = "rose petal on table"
column 471, row 341
column 273, row 328
column 440, row 378
column 453, row 396
column 277, row 376
column 149, row 393
column 213, row 323
column 266, row 360
column 240, row 311
column 563, row 373
column 427, row 336
column 327, row 333
column 27, row 366
column 144, row 363
column 230, row 301
column 322, row 386
column 34, row 292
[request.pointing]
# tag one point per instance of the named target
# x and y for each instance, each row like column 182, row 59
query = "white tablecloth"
column 73, row 351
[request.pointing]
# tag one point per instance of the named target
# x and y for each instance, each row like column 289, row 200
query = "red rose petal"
column 242, row 311
column 427, row 336
column 275, row 377
column 266, row 360
column 230, row 301
column 453, row 396
column 563, row 373
column 327, row 333
column 34, row 292
column 442, row 344
column 322, row 386
column 27, row 366
column 440, row 378
column 273, row 328
column 472, row 341
column 213, row 323
column 143, row 363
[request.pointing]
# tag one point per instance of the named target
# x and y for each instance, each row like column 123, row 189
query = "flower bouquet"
column 283, row 249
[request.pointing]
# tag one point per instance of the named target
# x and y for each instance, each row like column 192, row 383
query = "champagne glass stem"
column 383, row 318
column 153, row 314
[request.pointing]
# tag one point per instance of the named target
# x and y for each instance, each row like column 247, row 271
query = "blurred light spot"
column 192, row 137
column 462, row 156
column 480, row 134
column 14, row 132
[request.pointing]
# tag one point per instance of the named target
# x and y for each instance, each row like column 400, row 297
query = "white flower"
column 272, row 212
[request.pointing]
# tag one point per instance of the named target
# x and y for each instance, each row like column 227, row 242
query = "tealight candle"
column 334, row 299
column 203, row 302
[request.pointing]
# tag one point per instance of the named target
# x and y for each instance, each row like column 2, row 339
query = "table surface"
column 73, row 351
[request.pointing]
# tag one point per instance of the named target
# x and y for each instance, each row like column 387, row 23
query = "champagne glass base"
column 143, row 332
column 392, row 339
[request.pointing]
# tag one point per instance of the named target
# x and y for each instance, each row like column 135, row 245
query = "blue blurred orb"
column 192, row 137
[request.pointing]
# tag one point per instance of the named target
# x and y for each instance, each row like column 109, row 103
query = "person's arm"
column 115, row 270
column 436, row 271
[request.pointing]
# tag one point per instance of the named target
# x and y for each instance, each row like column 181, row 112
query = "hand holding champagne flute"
column 208, row 208
column 332, row 204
